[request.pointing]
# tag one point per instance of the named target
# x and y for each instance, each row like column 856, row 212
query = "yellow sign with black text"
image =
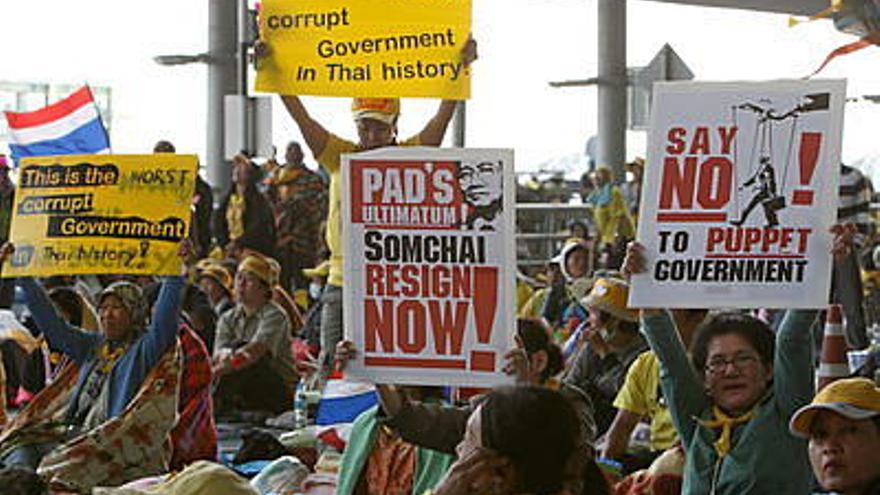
column 365, row 48
column 101, row 214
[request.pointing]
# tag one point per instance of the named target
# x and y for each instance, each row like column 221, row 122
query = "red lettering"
column 461, row 281
column 716, row 176
column 448, row 326
column 727, row 136
column 752, row 237
column 715, row 235
column 392, row 277
column 440, row 281
column 411, row 327
column 378, row 325
column 700, row 144
column 802, row 242
column 409, row 276
column 374, row 284
column 675, row 136
column 771, row 237
column 678, row 181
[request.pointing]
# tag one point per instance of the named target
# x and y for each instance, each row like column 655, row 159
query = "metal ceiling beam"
column 796, row 7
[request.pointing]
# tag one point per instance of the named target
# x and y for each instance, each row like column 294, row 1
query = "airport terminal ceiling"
column 797, row 7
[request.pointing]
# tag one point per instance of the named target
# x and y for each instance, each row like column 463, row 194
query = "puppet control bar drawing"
column 762, row 179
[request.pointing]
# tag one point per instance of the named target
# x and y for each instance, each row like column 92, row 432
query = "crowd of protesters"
column 129, row 384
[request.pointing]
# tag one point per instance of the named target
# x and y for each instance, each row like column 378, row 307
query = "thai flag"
column 341, row 403
column 71, row 126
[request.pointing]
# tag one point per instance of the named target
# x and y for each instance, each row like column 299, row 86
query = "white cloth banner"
column 429, row 284
column 739, row 193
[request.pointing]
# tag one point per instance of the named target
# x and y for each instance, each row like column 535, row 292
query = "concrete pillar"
column 611, row 149
column 222, row 81
column 458, row 124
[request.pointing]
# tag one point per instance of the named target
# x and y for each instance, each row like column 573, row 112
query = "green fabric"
column 431, row 465
column 765, row 458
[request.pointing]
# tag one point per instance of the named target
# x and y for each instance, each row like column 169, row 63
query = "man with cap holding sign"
column 376, row 121
column 614, row 343
column 253, row 360
column 843, row 427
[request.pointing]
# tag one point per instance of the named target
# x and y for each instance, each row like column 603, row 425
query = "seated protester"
column 518, row 441
column 284, row 299
column 613, row 345
column 442, row 427
column 377, row 461
column 732, row 414
column 244, row 219
column 195, row 435
column 216, row 282
column 641, row 397
column 112, row 364
column 253, row 360
column 551, row 276
column 842, row 425
column 560, row 308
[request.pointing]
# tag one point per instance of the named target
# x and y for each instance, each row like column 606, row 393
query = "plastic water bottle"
column 300, row 407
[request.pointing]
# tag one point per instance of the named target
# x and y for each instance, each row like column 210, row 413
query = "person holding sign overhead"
column 732, row 401
column 112, row 364
column 376, row 122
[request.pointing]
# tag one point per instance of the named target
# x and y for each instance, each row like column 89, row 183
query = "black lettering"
column 372, row 244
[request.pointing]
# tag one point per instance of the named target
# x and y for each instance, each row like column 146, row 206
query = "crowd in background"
column 210, row 375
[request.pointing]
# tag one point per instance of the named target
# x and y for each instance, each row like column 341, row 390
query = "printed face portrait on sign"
column 429, row 264
column 731, row 210
column 481, row 184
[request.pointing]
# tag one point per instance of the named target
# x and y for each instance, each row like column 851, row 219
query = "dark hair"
column 68, row 301
column 535, row 337
column 535, row 428
column 18, row 481
column 751, row 329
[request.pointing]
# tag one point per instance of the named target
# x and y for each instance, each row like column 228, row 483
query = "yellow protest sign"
column 367, row 48
column 97, row 214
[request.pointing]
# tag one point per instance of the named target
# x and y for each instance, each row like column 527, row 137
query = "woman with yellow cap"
column 842, row 425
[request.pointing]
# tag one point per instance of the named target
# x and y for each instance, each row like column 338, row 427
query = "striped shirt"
column 854, row 203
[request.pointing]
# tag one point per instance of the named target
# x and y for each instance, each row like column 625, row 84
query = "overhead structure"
column 794, row 7
column 612, row 75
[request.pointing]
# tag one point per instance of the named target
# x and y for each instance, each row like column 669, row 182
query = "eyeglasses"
column 740, row 361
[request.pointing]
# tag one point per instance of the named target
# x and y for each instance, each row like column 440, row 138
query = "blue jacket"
column 131, row 369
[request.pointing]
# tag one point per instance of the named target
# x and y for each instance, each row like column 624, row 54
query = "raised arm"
column 162, row 332
column 793, row 363
column 680, row 384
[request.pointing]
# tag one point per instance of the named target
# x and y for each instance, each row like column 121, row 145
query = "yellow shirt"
column 532, row 307
column 235, row 216
column 330, row 159
column 640, row 395
column 613, row 220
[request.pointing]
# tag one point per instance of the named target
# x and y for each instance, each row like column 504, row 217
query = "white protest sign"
column 739, row 192
column 429, row 283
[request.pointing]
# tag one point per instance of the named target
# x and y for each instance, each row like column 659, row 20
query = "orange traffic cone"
column 833, row 364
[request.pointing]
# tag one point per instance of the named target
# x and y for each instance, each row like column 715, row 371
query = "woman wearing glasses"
column 732, row 414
